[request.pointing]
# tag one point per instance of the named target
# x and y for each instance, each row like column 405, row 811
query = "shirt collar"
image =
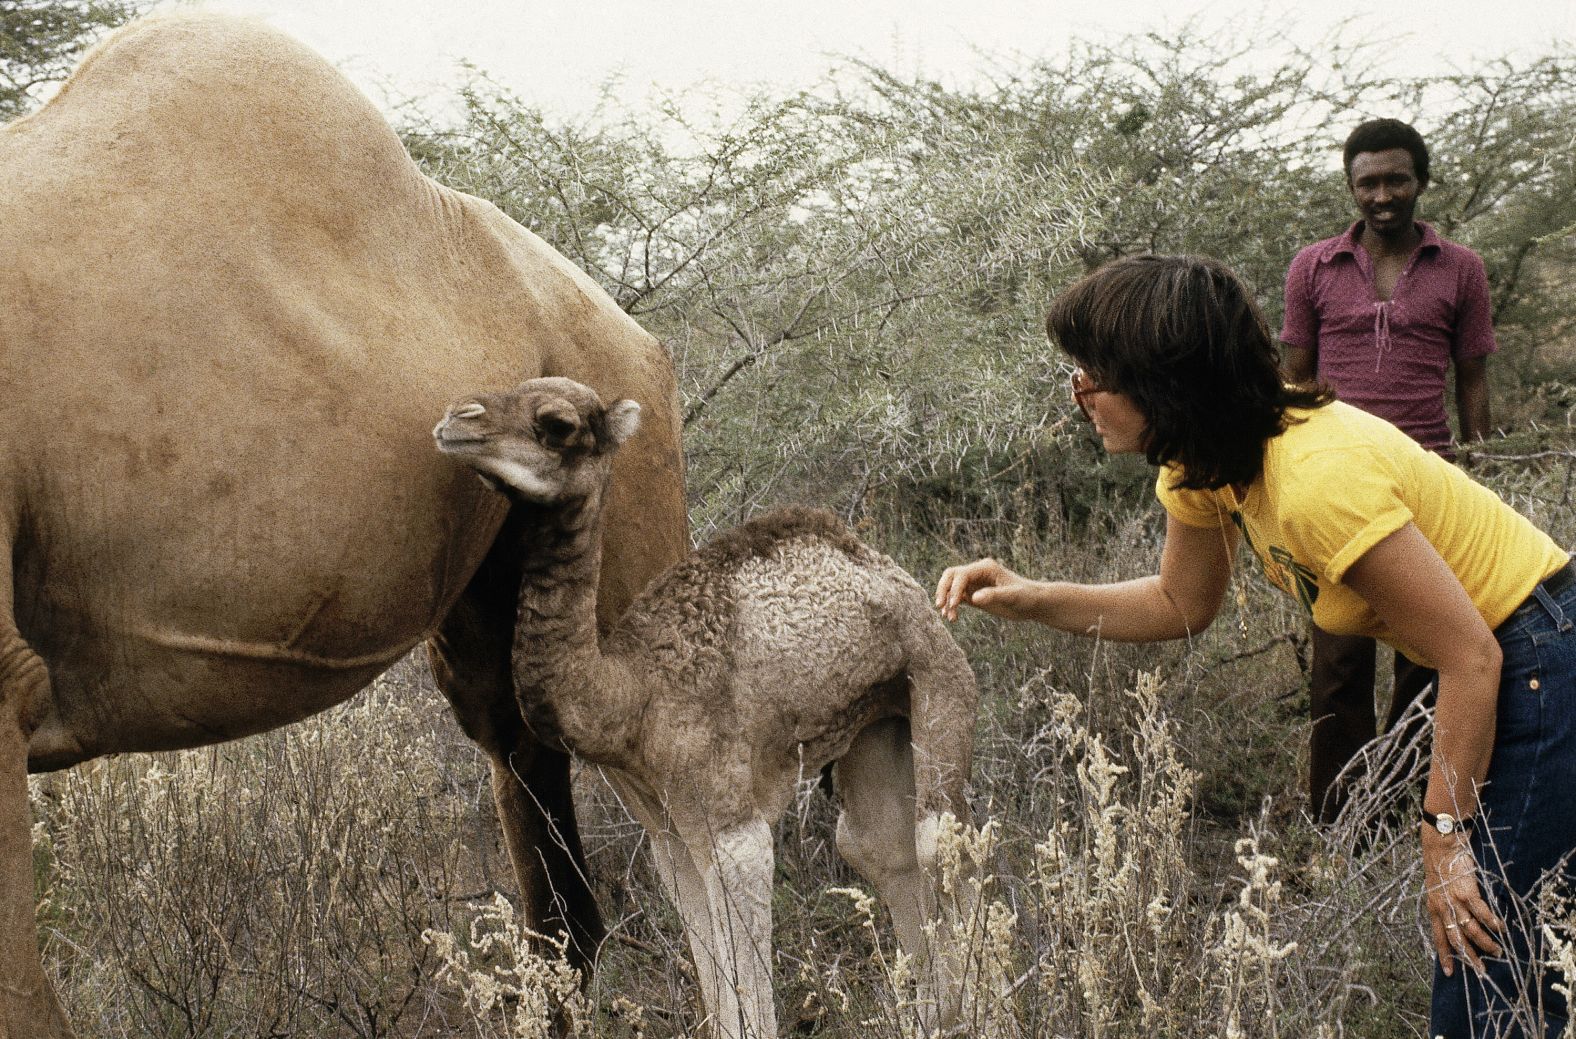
column 1348, row 242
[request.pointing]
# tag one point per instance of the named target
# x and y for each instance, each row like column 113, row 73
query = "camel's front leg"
column 470, row 660
column 737, row 874
column 28, row 1007
column 680, row 879
column 686, row 889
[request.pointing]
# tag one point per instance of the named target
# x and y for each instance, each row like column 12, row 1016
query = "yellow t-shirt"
column 1336, row 483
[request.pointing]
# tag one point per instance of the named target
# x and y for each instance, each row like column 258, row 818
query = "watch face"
column 1446, row 824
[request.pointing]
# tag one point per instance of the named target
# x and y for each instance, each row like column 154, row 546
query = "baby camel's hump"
column 823, row 629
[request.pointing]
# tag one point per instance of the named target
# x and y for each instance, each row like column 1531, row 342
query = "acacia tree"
column 1505, row 183
column 853, row 279
column 41, row 39
column 807, row 268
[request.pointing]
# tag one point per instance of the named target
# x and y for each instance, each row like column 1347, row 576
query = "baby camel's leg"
column 681, row 882
column 875, row 830
column 876, row 834
column 736, row 870
column 943, row 700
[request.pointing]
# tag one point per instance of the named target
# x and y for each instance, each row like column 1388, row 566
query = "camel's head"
column 546, row 440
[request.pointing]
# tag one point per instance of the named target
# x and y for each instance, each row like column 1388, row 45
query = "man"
column 1380, row 313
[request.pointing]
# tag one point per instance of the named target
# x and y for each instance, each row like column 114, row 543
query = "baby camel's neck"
column 559, row 669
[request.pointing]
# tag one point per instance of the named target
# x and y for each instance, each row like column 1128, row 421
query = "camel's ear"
column 623, row 419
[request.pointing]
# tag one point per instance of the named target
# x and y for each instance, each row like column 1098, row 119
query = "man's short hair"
column 1378, row 135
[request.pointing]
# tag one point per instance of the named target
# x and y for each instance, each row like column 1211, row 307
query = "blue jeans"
column 1528, row 836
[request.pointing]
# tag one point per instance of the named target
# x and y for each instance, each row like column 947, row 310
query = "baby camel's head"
column 546, row 440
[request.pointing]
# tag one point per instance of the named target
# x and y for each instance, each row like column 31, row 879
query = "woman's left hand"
column 1423, row 604
column 1463, row 923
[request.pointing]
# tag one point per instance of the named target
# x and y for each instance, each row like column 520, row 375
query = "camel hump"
column 203, row 109
column 759, row 537
column 683, row 617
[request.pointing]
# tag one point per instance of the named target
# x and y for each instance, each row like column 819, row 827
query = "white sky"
column 554, row 53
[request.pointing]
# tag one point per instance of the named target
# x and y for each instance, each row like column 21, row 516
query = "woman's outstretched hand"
column 987, row 585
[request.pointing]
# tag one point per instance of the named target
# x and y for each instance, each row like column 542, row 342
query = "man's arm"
column 1300, row 364
column 1474, row 341
column 1472, row 398
column 1300, row 329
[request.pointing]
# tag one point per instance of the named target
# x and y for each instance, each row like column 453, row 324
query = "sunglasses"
column 1083, row 386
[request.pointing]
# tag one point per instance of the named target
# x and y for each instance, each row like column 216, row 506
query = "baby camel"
column 783, row 645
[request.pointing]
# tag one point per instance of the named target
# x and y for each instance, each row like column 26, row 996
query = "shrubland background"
column 852, row 282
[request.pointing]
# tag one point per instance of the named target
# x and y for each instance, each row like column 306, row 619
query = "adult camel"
column 230, row 306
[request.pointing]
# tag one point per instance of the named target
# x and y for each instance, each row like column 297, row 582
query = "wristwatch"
column 1447, row 824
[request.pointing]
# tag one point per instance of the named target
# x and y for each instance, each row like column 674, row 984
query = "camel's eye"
column 555, row 431
column 471, row 410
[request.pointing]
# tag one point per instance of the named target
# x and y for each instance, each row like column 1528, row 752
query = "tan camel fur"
column 232, row 305
column 782, row 646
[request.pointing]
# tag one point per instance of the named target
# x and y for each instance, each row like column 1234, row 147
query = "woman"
column 1375, row 536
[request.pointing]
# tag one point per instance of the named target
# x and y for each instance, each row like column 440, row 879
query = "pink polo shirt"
column 1390, row 357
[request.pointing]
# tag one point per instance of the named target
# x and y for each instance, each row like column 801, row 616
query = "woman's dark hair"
column 1181, row 337
column 1380, row 135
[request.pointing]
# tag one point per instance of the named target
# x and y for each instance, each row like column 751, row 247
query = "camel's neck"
column 559, row 670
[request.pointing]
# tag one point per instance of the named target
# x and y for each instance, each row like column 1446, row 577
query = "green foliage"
column 1195, row 150
column 41, row 39
column 1506, row 185
column 811, row 269
column 853, row 279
